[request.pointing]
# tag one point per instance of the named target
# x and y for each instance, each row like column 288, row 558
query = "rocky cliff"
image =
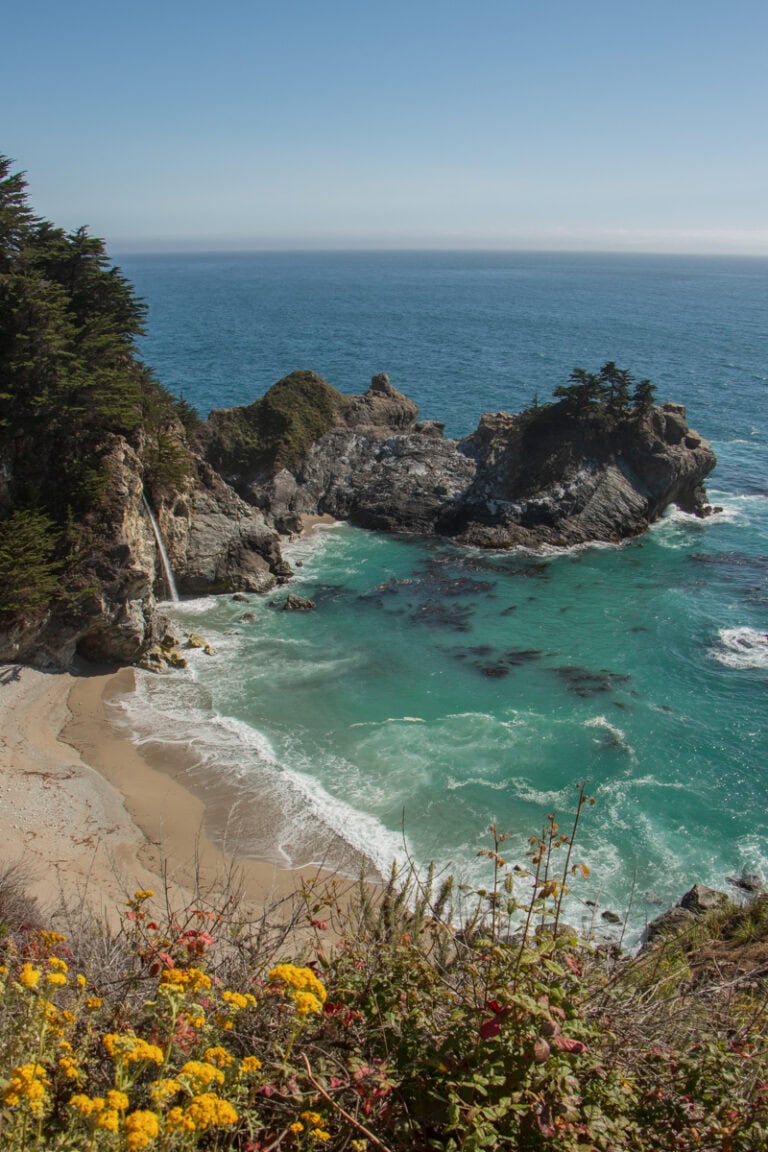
column 215, row 541
column 542, row 477
column 223, row 496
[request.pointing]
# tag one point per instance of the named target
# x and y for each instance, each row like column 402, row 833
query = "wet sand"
column 89, row 817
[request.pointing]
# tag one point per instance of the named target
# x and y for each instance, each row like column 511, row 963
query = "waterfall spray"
column 167, row 570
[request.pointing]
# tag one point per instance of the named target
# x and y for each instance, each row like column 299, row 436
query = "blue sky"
column 520, row 124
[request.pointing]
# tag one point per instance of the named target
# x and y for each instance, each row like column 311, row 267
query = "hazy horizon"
column 516, row 126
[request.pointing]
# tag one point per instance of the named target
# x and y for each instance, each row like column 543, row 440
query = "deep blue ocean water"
column 439, row 689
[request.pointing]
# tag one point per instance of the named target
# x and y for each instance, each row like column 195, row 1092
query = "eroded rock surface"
column 542, row 477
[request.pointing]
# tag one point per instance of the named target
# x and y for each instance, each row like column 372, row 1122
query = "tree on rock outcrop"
column 585, row 389
column 643, row 397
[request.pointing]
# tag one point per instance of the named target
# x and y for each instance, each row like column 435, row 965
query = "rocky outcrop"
column 696, row 902
column 542, row 477
column 215, row 541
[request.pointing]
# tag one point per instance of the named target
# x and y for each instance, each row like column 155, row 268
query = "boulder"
column 668, row 924
column 294, row 603
column 701, row 899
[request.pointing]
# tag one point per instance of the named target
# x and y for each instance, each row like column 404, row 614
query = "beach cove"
column 87, row 819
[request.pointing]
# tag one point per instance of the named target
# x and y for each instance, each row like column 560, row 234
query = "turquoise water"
column 436, row 689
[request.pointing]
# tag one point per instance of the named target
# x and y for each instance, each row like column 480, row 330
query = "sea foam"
column 742, row 648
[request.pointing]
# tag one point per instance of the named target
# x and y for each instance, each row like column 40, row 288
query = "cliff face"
column 543, row 477
column 215, row 541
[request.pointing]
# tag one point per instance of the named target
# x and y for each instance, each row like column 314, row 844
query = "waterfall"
column 167, row 570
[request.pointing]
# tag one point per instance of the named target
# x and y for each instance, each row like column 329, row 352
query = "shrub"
column 375, row 1022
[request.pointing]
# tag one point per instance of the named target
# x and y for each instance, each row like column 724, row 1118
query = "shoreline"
column 87, row 817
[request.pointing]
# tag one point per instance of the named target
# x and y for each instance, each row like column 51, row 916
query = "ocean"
column 439, row 690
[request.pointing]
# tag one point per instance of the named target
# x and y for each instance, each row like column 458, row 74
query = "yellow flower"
column 312, row 1117
column 58, row 979
column 249, row 1064
column 92, row 1003
column 191, row 979
column 50, row 939
column 305, row 1002
column 219, row 1056
column 69, row 1067
column 117, row 1100
column 320, row 1134
column 306, row 991
column 108, row 1119
column 235, row 999
column 81, row 981
column 83, row 1104
column 162, row 1090
column 296, row 1127
column 143, row 894
column 29, row 975
column 27, row 1084
column 201, row 1075
column 178, row 1121
column 56, row 964
column 141, row 1128
column 210, row 1111
column 131, row 1049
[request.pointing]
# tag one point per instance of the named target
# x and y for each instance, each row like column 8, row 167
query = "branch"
column 360, row 1127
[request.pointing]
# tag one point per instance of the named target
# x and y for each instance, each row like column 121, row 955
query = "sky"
column 496, row 124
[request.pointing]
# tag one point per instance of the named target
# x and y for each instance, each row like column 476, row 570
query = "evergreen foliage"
column 611, row 391
column 28, row 570
column 70, row 382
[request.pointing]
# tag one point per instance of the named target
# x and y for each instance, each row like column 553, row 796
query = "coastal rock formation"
column 542, row 477
column 696, row 902
column 215, row 542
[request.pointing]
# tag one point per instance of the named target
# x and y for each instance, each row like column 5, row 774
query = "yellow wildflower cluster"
column 68, row 1066
column 141, row 1128
column 57, row 1019
column 131, row 1049
column 306, row 991
column 101, row 1113
column 29, row 975
column 164, row 1090
column 249, row 1065
column 219, row 1056
column 27, row 1085
column 49, row 940
column 186, row 979
column 200, row 1074
column 238, row 1000
column 313, row 1120
column 204, row 1111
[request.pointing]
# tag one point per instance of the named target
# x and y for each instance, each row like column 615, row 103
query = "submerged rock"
column 294, row 603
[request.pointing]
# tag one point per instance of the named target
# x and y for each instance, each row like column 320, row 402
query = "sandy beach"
column 88, row 818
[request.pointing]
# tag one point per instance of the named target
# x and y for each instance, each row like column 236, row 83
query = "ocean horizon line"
column 118, row 251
